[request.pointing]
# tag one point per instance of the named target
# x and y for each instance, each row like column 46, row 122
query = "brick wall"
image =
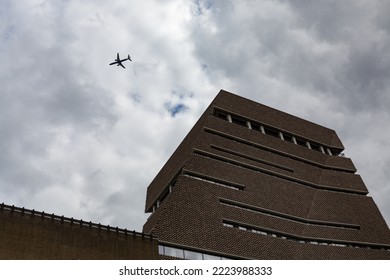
column 26, row 234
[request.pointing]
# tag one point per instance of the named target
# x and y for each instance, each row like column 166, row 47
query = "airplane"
column 119, row 61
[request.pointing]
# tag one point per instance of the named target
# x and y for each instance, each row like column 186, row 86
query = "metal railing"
column 71, row 221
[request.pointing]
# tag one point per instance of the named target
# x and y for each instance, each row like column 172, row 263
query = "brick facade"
column 249, row 181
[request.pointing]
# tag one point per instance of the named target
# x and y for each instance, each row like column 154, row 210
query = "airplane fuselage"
column 119, row 61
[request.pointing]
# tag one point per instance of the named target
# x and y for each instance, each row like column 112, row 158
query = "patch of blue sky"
column 6, row 20
column 200, row 6
column 136, row 97
column 175, row 109
column 8, row 32
column 6, row 35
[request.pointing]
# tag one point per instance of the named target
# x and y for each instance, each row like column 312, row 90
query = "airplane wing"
column 118, row 61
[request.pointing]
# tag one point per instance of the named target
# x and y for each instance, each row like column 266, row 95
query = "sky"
column 84, row 139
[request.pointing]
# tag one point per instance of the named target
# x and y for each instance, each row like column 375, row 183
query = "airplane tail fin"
column 128, row 56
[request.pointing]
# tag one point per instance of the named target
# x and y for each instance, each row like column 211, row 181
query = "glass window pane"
column 189, row 255
column 173, row 252
column 161, row 250
column 210, row 257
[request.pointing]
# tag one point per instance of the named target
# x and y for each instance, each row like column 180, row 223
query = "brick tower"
column 252, row 182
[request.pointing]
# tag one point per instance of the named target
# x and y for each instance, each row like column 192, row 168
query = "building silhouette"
column 247, row 182
column 252, row 182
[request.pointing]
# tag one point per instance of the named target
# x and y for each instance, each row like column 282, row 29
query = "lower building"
column 31, row 235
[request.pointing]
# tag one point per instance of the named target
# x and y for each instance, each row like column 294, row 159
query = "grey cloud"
column 362, row 29
column 328, row 48
column 329, row 20
column 44, row 91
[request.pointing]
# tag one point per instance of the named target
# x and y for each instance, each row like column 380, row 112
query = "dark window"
column 164, row 195
column 255, row 126
column 288, row 137
column 238, row 120
column 301, row 142
column 271, row 132
column 221, row 115
column 315, row 147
